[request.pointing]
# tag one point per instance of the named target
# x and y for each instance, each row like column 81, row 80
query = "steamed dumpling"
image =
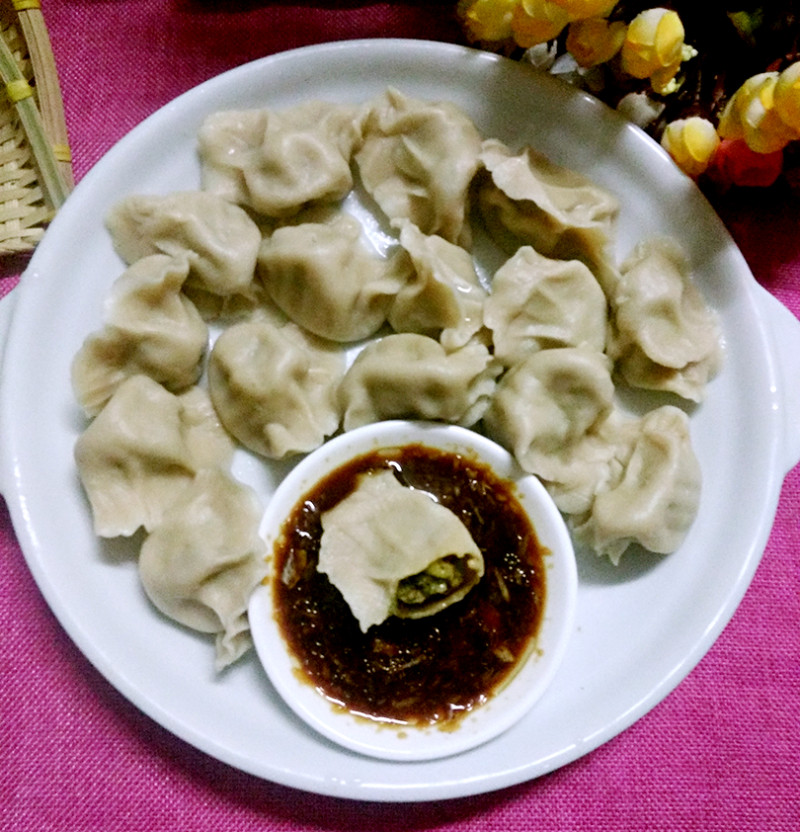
column 278, row 161
column 412, row 376
column 143, row 447
column 664, row 336
column 219, row 239
column 656, row 500
column 322, row 276
column 392, row 550
column 538, row 303
column 274, row 387
column 202, row 561
column 150, row 328
column 444, row 297
column 552, row 412
column 417, row 162
column 527, row 199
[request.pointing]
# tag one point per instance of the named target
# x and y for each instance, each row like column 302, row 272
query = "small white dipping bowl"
column 526, row 685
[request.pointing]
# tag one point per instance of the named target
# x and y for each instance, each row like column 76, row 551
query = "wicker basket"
column 27, row 202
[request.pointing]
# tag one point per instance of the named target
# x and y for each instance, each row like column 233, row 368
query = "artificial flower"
column 750, row 114
column 583, row 9
column 735, row 163
column 786, row 96
column 537, row 21
column 594, row 41
column 692, row 143
column 490, row 20
column 654, row 47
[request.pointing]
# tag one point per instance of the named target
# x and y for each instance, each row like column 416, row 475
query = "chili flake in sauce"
column 414, row 671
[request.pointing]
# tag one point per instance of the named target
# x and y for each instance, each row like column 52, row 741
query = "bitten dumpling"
column 656, row 500
column 275, row 387
column 413, row 376
column 527, row 199
column 392, row 550
column 552, row 412
column 202, row 561
column 539, row 303
column 278, row 161
column 150, row 328
column 663, row 335
column 417, row 162
column 322, row 276
column 219, row 239
column 444, row 297
column 143, row 447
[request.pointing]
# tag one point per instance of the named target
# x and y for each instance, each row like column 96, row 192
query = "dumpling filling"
column 392, row 550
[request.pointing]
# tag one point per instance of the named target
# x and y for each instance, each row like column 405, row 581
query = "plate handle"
column 784, row 329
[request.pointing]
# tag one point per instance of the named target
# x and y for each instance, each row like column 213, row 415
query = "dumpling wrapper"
column 322, row 277
column 383, row 533
column 528, row 199
column 219, row 239
column 406, row 375
column 443, row 298
column 275, row 386
column 663, row 335
column 151, row 328
column 280, row 161
column 657, row 499
column 417, row 162
column 553, row 411
column 538, row 303
column 205, row 557
column 142, row 449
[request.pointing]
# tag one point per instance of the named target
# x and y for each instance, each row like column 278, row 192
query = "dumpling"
column 538, row 303
column 201, row 563
column 596, row 463
column 150, row 328
column 412, row 376
column 551, row 399
column 656, row 500
column 552, row 412
column 664, row 336
column 417, row 161
column 392, row 550
column 274, row 387
column 444, row 297
column 322, row 276
column 278, row 161
column 143, row 447
column 527, row 199
column 219, row 239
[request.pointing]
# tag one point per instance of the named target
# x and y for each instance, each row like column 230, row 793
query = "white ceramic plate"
column 639, row 629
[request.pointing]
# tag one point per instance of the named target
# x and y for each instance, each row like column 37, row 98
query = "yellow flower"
column 594, row 41
column 583, row 9
column 490, row 19
column 786, row 96
column 537, row 21
column 692, row 143
column 750, row 115
column 654, row 47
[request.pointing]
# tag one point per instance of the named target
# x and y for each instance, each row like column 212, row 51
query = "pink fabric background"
column 721, row 753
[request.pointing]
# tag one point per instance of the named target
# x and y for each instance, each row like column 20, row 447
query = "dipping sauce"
column 426, row 671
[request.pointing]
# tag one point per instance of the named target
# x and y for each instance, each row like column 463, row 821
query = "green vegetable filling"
column 441, row 578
